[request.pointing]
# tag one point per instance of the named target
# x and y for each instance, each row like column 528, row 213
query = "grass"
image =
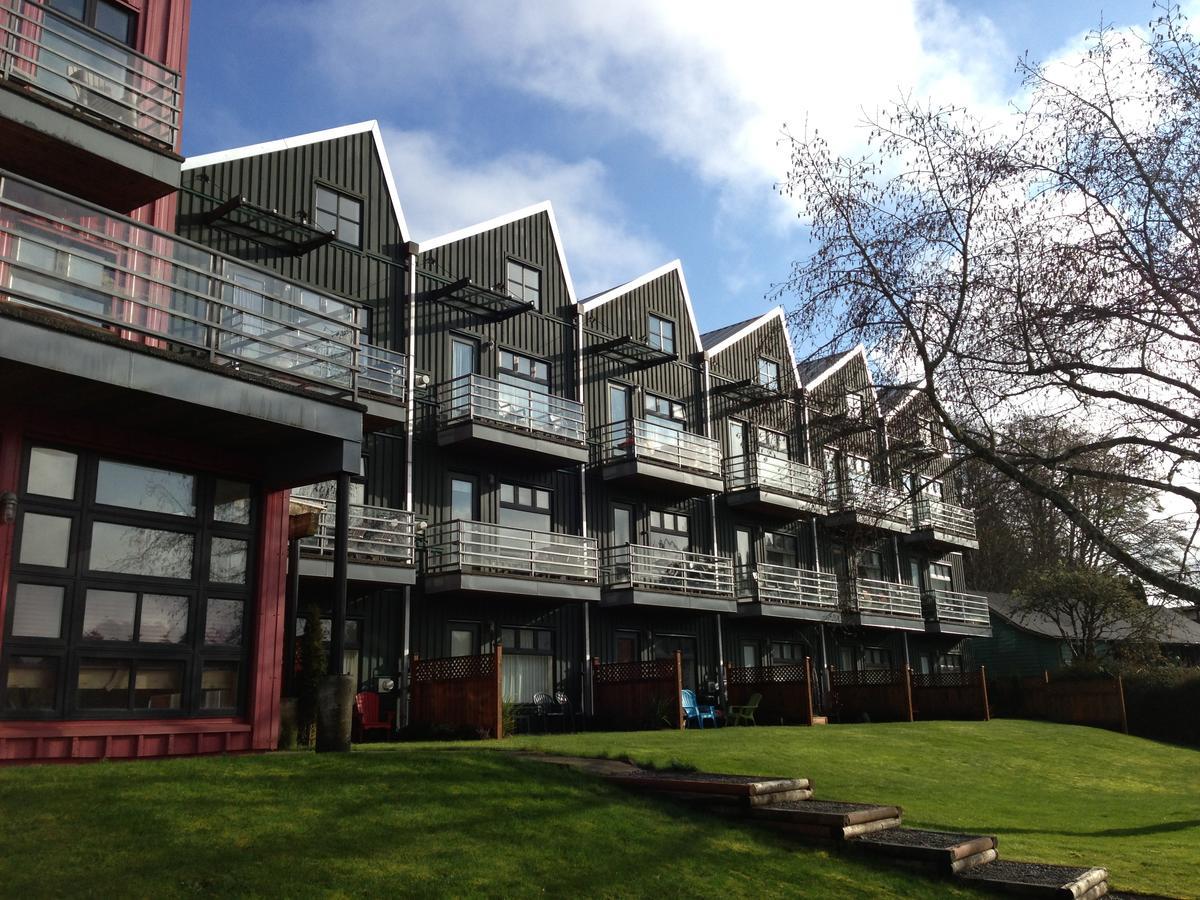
column 1052, row 793
column 414, row 821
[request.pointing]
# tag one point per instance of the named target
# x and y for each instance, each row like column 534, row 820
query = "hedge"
column 1164, row 704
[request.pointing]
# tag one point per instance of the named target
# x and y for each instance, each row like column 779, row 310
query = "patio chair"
column 693, row 711
column 367, row 718
column 568, row 711
column 739, row 715
column 548, row 709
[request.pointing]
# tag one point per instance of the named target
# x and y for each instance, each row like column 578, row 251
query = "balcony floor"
column 958, row 629
column 667, row 599
column 755, row 609
column 642, row 473
column 772, row 503
column 359, row 574
column 488, row 437
column 878, row 620
column 939, row 539
column 859, row 520
column 510, row 585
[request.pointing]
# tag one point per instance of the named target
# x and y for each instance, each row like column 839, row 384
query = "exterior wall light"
column 8, row 507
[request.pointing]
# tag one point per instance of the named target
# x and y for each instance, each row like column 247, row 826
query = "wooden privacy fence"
column 876, row 695
column 787, row 691
column 1099, row 702
column 459, row 692
column 950, row 695
column 633, row 695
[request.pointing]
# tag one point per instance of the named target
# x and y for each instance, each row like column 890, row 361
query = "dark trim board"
column 493, row 438
column 533, row 588
column 360, row 573
column 640, row 473
column 635, row 597
column 755, row 609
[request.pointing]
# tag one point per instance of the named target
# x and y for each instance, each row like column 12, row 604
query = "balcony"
column 635, row 575
column 158, row 326
column 382, row 378
column 773, row 485
column 84, row 112
column 499, row 559
column 950, row 612
column 644, row 454
column 943, row 525
column 484, row 414
column 885, row 604
column 858, row 504
column 788, row 592
column 381, row 546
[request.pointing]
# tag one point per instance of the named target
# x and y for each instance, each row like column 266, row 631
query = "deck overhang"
column 877, row 620
column 492, row 438
column 772, row 503
column 939, row 539
column 958, row 629
column 668, row 599
column 367, row 575
column 755, row 609
column 643, row 473
column 510, row 586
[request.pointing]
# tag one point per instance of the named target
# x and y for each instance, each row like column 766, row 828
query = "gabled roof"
column 894, row 397
column 710, row 339
column 302, row 140
column 506, row 219
column 720, row 339
column 1172, row 627
column 815, row 371
column 621, row 290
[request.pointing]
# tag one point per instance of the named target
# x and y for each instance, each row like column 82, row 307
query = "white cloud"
column 443, row 190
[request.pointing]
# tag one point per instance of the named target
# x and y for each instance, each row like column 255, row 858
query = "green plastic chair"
column 744, row 715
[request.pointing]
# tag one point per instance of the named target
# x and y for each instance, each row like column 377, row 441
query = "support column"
column 720, row 663
column 290, row 607
column 341, row 549
column 406, row 658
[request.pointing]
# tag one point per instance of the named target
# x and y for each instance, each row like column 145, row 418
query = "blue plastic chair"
column 692, row 711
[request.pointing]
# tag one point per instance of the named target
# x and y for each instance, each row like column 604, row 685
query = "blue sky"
column 652, row 126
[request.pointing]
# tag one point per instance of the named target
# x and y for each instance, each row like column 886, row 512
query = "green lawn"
column 414, row 821
column 1054, row 793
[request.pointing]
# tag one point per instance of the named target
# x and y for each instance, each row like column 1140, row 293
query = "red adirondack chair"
column 367, row 718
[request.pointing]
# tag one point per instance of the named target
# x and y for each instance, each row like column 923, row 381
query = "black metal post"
column 341, row 548
column 291, row 603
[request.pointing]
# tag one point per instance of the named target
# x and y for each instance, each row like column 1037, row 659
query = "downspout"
column 410, row 300
column 712, row 518
column 887, row 474
column 586, row 700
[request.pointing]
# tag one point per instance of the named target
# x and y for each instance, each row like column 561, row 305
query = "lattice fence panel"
column 779, row 674
column 946, row 680
column 866, row 678
column 453, row 668
column 626, row 672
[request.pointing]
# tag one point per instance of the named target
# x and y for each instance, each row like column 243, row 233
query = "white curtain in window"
column 525, row 674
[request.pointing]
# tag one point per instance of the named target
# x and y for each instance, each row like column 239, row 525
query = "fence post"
column 987, row 710
column 808, row 697
column 1121, row 698
column 414, row 701
column 499, row 656
column 908, row 692
column 680, row 721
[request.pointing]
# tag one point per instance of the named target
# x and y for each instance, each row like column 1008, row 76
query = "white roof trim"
column 860, row 350
column 506, row 219
column 623, row 289
column 912, row 392
column 751, row 327
column 302, row 140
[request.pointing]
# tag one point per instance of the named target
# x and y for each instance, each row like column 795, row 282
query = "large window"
column 668, row 530
column 524, row 282
column 666, row 412
column 661, row 333
column 130, row 590
column 339, row 213
column 113, row 19
column 779, row 549
column 523, row 506
column 528, row 663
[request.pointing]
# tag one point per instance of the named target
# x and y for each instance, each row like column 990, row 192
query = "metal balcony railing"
column 882, row 502
column 74, row 258
column 378, row 535
column 886, row 598
column 382, row 372
column 789, row 586
column 663, row 569
column 59, row 57
column 477, row 398
column 480, row 547
column 956, row 521
column 952, row 606
column 776, row 473
column 658, row 444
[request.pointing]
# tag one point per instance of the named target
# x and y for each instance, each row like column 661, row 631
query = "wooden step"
column 828, row 819
column 742, row 791
column 820, row 720
column 945, row 851
column 1039, row 879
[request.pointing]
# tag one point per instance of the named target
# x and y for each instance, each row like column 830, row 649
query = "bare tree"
column 1044, row 263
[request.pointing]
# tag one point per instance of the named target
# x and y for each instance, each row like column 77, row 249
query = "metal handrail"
column 774, row 472
column 953, row 606
column 790, row 586
column 479, row 398
column 658, row 444
column 665, row 569
column 882, row 501
column 467, row 546
column 930, row 512
column 378, row 534
column 889, row 598
column 382, row 372
column 75, row 258
column 60, row 57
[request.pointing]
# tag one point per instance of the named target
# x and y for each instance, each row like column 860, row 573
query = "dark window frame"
column 774, row 384
column 90, row 8
column 512, row 372
column 342, row 194
column 655, row 332
column 523, row 295
column 474, row 481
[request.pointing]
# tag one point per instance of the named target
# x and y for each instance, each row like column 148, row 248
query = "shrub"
column 1162, row 703
column 312, row 669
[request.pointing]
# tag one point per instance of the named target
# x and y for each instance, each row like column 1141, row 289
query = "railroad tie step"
column 828, row 819
column 738, row 792
column 1039, row 879
column 945, row 851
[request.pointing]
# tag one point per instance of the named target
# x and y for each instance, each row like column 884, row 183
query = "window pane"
column 348, row 232
column 52, row 473
column 507, row 493
column 45, row 540
column 114, row 21
column 462, row 642
column 32, row 683
column 103, row 685
column 543, row 641
column 327, row 200
column 525, row 496
column 164, row 619
column 223, row 624
column 108, row 615
column 543, row 499
column 140, row 487
column 140, row 551
column 158, row 686
column 227, row 561
column 219, row 685
column 462, row 499
column 38, row 611
column 325, row 221
column 348, row 208
column 524, row 518
column 72, row 8
column 232, row 502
